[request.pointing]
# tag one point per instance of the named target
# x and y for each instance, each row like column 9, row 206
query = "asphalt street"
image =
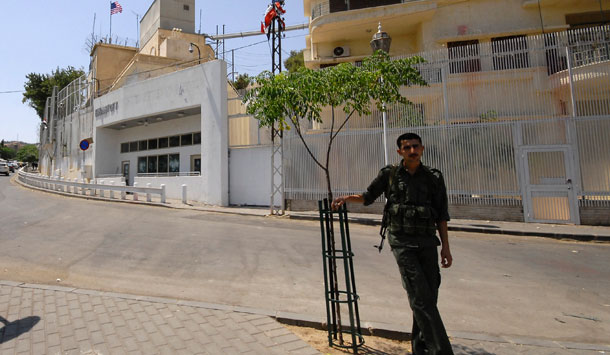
column 499, row 285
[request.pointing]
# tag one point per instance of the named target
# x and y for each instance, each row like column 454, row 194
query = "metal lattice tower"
column 277, row 144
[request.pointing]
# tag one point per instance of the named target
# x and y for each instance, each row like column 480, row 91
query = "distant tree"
column 242, row 81
column 28, row 153
column 2, row 143
column 40, row 86
column 295, row 61
column 6, row 152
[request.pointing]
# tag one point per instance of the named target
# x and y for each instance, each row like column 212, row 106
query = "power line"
column 11, row 92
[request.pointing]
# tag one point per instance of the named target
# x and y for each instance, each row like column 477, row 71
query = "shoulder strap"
column 393, row 171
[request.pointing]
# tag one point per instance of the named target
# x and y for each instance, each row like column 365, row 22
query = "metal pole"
column 445, row 96
column 571, row 81
column 385, row 134
column 233, row 65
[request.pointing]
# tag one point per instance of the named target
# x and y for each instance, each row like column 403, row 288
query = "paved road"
column 500, row 286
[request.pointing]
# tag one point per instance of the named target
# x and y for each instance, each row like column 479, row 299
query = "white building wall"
column 201, row 86
column 250, row 177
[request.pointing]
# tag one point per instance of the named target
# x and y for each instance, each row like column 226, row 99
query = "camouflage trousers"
column 421, row 279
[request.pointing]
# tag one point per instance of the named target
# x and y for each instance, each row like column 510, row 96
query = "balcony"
column 332, row 6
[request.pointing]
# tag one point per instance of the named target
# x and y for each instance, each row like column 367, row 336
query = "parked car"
column 12, row 166
column 4, row 169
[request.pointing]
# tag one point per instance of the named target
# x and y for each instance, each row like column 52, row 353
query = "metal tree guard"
column 334, row 296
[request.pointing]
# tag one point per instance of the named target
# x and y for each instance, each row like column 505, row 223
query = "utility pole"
column 277, row 144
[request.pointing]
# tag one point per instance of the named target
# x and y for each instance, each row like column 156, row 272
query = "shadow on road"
column 12, row 330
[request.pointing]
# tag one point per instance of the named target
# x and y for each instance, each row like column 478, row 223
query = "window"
column 186, row 139
column 152, row 144
column 464, row 56
column 152, row 164
column 174, row 163
column 510, row 52
column 186, row 7
column 162, row 164
column 174, row 141
column 143, row 145
column 142, row 165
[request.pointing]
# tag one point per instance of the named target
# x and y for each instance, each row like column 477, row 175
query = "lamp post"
column 381, row 41
column 198, row 51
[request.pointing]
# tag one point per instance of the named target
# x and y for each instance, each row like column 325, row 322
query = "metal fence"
column 486, row 107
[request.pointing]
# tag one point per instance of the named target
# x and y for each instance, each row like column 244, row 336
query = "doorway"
column 550, row 196
column 125, row 171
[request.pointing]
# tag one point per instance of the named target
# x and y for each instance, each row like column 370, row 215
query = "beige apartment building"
column 340, row 30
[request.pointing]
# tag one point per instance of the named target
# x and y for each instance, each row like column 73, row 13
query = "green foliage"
column 285, row 99
column 40, row 86
column 489, row 116
column 242, row 81
column 295, row 61
column 7, row 153
column 28, row 153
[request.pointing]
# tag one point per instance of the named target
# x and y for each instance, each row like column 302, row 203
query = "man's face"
column 411, row 150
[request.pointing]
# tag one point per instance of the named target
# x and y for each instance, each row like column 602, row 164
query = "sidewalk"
column 42, row 319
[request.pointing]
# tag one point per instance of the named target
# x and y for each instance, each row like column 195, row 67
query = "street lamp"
column 381, row 41
column 198, row 51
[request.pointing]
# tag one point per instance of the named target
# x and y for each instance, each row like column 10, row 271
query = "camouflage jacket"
column 415, row 203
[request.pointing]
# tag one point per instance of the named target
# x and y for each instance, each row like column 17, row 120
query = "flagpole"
column 110, row 40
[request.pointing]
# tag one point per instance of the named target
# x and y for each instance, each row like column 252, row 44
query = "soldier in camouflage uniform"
column 417, row 208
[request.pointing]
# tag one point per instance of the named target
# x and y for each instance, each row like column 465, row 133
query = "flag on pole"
column 115, row 8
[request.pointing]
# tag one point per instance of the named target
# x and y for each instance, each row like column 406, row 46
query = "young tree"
column 285, row 100
column 28, row 153
column 40, row 86
column 295, row 61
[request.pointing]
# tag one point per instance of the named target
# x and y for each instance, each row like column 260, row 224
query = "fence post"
column 75, row 186
column 184, row 193
column 148, row 198
column 123, row 193
column 63, row 187
column 135, row 193
column 102, row 193
column 445, row 95
column 571, row 81
column 83, row 189
column 111, row 190
column 162, row 193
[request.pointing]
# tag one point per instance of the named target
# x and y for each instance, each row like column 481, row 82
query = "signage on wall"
column 105, row 110
column 85, row 143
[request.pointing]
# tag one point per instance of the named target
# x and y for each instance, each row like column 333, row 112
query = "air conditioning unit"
column 341, row 51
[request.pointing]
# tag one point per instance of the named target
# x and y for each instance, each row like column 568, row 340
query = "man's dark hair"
column 406, row 137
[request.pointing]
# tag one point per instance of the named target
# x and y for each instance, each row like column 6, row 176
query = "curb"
column 457, row 228
column 383, row 330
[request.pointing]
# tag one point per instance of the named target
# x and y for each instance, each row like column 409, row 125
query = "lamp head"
column 191, row 47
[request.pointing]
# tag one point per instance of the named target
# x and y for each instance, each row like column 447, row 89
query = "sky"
column 42, row 35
